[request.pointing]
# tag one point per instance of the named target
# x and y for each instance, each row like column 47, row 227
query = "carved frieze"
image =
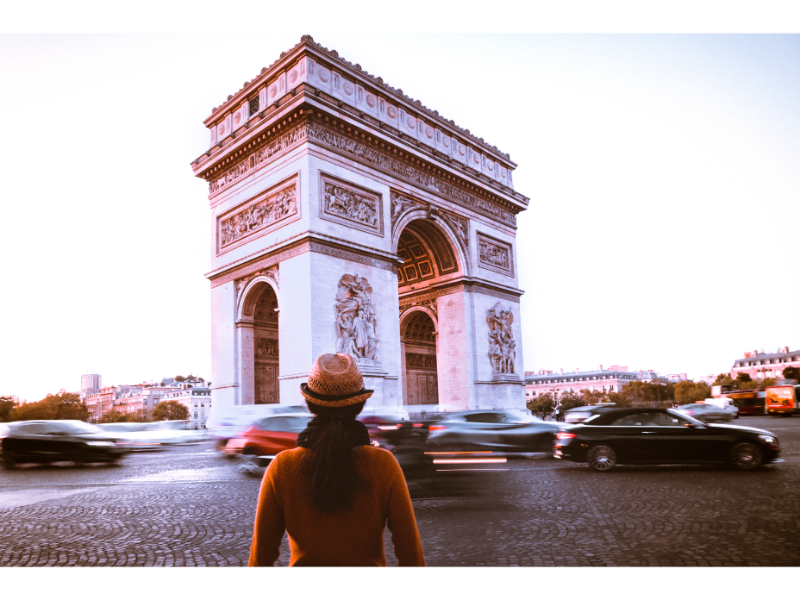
column 355, row 314
column 402, row 169
column 266, row 348
column 502, row 347
column 495, row 255
column 351, row 205
column 258, row 158
column 420, row 361
column 264, row 212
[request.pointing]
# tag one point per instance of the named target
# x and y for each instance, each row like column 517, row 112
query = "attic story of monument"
column 347, row 217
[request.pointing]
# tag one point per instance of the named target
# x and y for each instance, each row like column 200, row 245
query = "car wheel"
column 602, row 458
column 9, row 463
column 745, row 457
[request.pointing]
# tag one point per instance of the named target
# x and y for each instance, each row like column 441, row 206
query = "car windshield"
column 592, row 418
column 685, row 417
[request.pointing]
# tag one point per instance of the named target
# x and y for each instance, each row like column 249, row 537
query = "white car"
column 153, row 436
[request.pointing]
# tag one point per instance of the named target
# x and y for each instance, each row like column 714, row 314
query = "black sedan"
column 492, row 430
column 55, row 441
column 665, row 436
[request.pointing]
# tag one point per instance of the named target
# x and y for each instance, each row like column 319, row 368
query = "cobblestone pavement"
column 189, row 507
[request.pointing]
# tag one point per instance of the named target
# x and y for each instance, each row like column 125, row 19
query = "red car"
column 270, row 435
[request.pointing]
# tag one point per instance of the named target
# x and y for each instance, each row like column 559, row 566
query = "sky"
column 662, row 170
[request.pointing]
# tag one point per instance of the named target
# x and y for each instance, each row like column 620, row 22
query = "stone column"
column 245, row 331
column 224, row 359
column 456, row 369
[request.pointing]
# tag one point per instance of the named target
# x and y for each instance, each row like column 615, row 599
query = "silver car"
column 707, row 412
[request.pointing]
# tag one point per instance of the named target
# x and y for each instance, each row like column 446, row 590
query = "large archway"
column 418, row 347
column 431, row 261
column 259, row 347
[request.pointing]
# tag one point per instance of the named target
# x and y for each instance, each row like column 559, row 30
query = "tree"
column 689, row 392
column 54, row 406
column 543, row 404
column 171, row 410
column 180, row 378
column 743, row 377
column 113, row 416
column 571, row 399
column 720, row 380
column 792, row 373
column 7, row 404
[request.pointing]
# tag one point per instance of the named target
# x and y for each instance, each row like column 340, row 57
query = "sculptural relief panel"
column 420, row 361
column 355, row 314
column 266, row 348
column 495, row 255
column 350, row 205
column 267, row 211
column 502, row 346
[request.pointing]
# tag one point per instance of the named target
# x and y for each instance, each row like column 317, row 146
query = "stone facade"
column 766, row 364
column 358, row 209
column 197, row 401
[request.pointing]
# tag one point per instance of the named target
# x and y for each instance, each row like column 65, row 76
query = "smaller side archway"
column 258, row 343
column 419, row 348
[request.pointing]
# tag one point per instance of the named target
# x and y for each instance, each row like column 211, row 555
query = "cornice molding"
column 277, row 140
column 308, row 243
column 464, row 285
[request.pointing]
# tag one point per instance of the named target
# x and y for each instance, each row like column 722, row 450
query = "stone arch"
column 405, row 318
column 437, row 228
column 258, row 336
column 419, row 354
column 250, row 291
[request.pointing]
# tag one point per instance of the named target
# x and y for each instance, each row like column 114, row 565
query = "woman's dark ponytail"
column 331, row 464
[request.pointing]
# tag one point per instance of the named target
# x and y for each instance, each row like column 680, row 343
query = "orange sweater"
column 353, row 537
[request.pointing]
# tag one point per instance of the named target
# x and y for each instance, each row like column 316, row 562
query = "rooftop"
column 308, row 42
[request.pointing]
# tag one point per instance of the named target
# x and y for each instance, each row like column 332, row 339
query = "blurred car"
column 581, row 413
column 46, row 442
column 227, row 422
column 155, row 435
column 707, row 412
column 269, row 435
column 662, row 436
column 726, row 404
column 391, row 428
column 506, row 430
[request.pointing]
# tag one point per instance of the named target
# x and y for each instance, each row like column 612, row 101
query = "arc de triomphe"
column 348, row 217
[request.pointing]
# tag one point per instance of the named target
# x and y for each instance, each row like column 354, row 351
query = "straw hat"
column 335, row 381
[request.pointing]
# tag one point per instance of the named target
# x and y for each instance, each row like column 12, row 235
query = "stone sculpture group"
column 355, row 318
column 502, row 347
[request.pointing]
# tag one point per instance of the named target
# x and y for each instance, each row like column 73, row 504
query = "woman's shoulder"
column 378, row 458
column 287, row 460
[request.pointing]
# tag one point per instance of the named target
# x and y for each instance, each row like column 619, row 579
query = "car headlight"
column 99, row 443
column 769, row 439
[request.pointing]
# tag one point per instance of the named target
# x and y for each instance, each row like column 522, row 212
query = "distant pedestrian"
column 335, row 493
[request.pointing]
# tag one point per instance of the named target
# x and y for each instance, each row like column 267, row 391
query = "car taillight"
column 418, row 425
column 388, row 427
column 435, row 427
column 563, row 435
